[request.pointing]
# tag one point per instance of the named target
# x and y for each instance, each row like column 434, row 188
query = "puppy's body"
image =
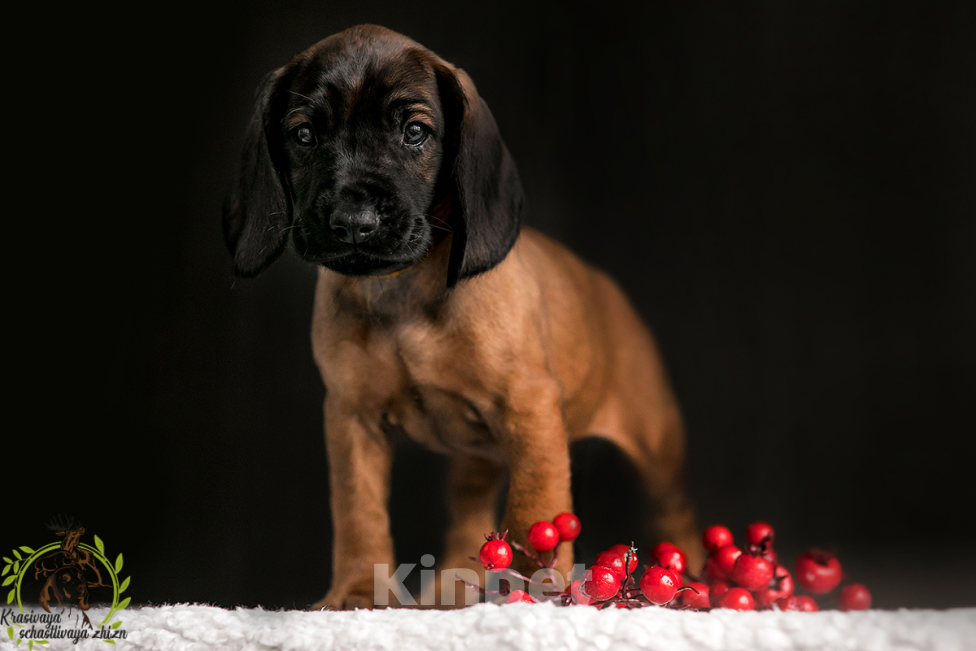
column 443, row 368
column 488, row 342
column 506, row 371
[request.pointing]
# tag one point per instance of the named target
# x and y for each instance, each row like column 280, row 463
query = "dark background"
column 785, row 190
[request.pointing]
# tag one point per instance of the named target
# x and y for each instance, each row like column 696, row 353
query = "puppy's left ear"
column 481, row 175
column 258, row 209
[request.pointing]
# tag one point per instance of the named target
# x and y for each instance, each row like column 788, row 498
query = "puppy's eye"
column 303, row 135
column 414, row 134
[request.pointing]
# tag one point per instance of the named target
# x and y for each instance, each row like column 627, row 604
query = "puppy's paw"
column 346, row 600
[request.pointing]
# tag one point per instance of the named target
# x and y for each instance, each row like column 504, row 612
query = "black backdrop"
column 785, row 190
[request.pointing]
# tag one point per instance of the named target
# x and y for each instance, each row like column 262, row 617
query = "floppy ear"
column 258, row 209
column 481, row 175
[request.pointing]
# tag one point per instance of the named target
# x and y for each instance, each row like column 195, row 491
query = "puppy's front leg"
column 360, row 458
column 473, row 487
column 536, row 447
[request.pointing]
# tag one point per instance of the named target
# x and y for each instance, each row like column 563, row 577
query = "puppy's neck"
column 419, row 291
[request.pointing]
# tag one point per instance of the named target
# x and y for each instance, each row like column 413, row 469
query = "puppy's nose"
column 354, row 227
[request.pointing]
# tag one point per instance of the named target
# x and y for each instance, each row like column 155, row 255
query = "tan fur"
column 502, row 373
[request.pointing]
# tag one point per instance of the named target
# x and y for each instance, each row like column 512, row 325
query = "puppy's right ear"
column 482, row 177
column 258, row 209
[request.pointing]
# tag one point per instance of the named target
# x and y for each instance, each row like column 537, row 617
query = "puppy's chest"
column 436, row 399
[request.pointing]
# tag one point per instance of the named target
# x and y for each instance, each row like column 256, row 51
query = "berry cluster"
column 496, row 555
column 751, row 577
column 747, row 578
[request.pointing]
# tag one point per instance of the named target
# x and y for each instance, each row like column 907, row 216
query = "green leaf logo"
column 17, row 567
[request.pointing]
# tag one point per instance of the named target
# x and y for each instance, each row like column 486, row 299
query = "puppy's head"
column 361, row 152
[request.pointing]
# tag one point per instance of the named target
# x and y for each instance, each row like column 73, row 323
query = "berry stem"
column 517, row 547
column 516, row 575
column 550, row 568
column 631, row 553
column 555, row 557
column 474, row 586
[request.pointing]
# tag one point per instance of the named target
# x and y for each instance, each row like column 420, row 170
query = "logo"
column 62, row 574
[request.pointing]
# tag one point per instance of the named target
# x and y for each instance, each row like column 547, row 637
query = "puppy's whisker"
column 445, row 227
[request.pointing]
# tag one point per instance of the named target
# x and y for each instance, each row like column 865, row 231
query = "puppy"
column 437, row 315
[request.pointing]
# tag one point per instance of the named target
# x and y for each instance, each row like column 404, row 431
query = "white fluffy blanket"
column 534, row 627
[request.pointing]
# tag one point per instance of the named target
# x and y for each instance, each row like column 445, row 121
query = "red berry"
column 737, row 599
column 568, row 526
column 543, row 536
column 607, row 558
column 578, row 597
column 716, row 537
column 496, row 555
column 799, row 602
column 759, row 533
column 721, row 562
column 779, row 588
column 854, row 597
column 613, row 561
column 669, row 556
column 770, row 555
column 600, row 583
column 622, row 549
column 696, row 598
column 515, row 596
column 818, row 571
column 716, row 590
column 752, row 572
column 658, row 585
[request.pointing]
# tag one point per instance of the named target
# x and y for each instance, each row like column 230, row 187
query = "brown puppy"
column 436, row 314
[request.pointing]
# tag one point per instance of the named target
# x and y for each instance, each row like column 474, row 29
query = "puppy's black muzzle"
column 354, row 226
